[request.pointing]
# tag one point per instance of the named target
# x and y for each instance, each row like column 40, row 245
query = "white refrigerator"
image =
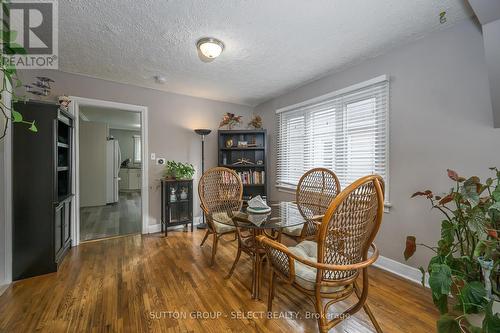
column 113, row 163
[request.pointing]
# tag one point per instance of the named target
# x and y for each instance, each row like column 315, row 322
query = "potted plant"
column 179, row 170
column 9, row 79
column 466, row 259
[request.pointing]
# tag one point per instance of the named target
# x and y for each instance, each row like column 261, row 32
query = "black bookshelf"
column 41, row 190
column 248, row 160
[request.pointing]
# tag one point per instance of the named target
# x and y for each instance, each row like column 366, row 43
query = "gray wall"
column 172, row 118
column 440, row 118
column 126, row 142
column 93, row 159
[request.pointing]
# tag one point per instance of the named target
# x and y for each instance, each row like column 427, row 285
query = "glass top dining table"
column 282, row 215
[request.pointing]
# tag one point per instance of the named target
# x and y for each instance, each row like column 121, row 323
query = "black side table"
column 176, row 203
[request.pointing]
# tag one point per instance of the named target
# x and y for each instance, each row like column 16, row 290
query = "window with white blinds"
column 345, row 131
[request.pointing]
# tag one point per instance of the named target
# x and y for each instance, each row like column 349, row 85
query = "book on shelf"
column 252, row 177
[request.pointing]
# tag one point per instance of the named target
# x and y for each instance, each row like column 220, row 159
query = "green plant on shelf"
column 10, row 81
column 179, row 170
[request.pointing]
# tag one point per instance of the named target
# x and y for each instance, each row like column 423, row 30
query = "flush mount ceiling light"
column 210, row 47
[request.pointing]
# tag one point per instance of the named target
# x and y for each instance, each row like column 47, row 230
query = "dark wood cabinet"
column 176, row 203
column 41, row 188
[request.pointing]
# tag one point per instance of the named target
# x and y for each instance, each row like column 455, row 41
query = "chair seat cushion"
column 293, row 231
column 222, row 227
column 305, row 276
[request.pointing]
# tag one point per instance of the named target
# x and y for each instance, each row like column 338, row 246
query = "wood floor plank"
column 156, row 284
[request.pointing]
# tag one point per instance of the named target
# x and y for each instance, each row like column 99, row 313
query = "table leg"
column 257, row 268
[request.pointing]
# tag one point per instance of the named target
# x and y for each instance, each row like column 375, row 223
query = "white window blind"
column 137, row 149
column 345, row 131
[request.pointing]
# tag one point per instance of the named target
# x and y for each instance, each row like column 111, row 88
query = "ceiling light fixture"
column 210, row 47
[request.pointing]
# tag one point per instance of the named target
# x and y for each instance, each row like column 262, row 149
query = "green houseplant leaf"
column 472, row 297
column 491, row 322
column 448, row 324
column 440, row 283
column 16, row 117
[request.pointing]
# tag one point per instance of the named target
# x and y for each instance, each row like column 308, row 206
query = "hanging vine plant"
column 10, row 80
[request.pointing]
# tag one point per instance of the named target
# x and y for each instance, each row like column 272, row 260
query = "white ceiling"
column 272, row 46
column 115, row 118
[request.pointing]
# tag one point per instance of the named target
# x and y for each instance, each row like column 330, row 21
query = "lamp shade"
column 202, row 131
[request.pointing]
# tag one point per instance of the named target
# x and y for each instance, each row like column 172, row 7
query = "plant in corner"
column 466, row 258
column 179, row 170
column 9, row 76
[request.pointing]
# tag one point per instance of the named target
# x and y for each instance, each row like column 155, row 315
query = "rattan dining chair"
column 327, row 270
column 315, row 192
column 220, row 191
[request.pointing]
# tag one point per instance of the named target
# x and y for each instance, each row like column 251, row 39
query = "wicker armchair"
column 315, row 192
column 328, row 270
column 220, row 191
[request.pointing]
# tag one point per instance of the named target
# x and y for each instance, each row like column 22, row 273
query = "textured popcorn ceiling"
column 272, row 46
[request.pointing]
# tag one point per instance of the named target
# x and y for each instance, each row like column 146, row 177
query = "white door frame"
column 74, row 109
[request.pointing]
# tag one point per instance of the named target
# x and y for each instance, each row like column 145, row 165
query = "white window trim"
column 354, row 87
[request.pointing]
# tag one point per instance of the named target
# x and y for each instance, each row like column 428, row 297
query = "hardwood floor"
column 121, row 218
column 156, row 284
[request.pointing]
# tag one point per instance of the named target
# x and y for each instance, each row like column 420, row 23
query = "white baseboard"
column 153, row 228
column 3, row 287
column 402, row 270
column 156, row 227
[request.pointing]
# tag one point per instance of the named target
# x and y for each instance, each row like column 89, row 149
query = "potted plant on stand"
column 466, row 259
column 179, row 170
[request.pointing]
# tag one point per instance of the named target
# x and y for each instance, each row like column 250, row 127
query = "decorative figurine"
column 243, row 161
column 41, row 87
column 184, row 194
column 64, row 102
column 173, row 197
column 256, row 122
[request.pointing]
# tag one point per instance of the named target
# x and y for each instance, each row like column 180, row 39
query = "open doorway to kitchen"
column 111, row 170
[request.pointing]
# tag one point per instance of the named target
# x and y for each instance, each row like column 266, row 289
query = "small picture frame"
column 242, row 144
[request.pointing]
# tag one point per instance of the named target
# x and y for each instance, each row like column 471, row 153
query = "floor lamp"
column 203, row 132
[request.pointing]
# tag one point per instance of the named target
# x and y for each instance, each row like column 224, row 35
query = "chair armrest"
column 282, row 249
column 350, row 267
column 279, row 256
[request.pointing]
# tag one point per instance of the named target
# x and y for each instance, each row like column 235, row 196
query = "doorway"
column 111, row 169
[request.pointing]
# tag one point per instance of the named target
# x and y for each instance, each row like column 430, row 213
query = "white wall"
column 441, row 118
column 93, row 154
